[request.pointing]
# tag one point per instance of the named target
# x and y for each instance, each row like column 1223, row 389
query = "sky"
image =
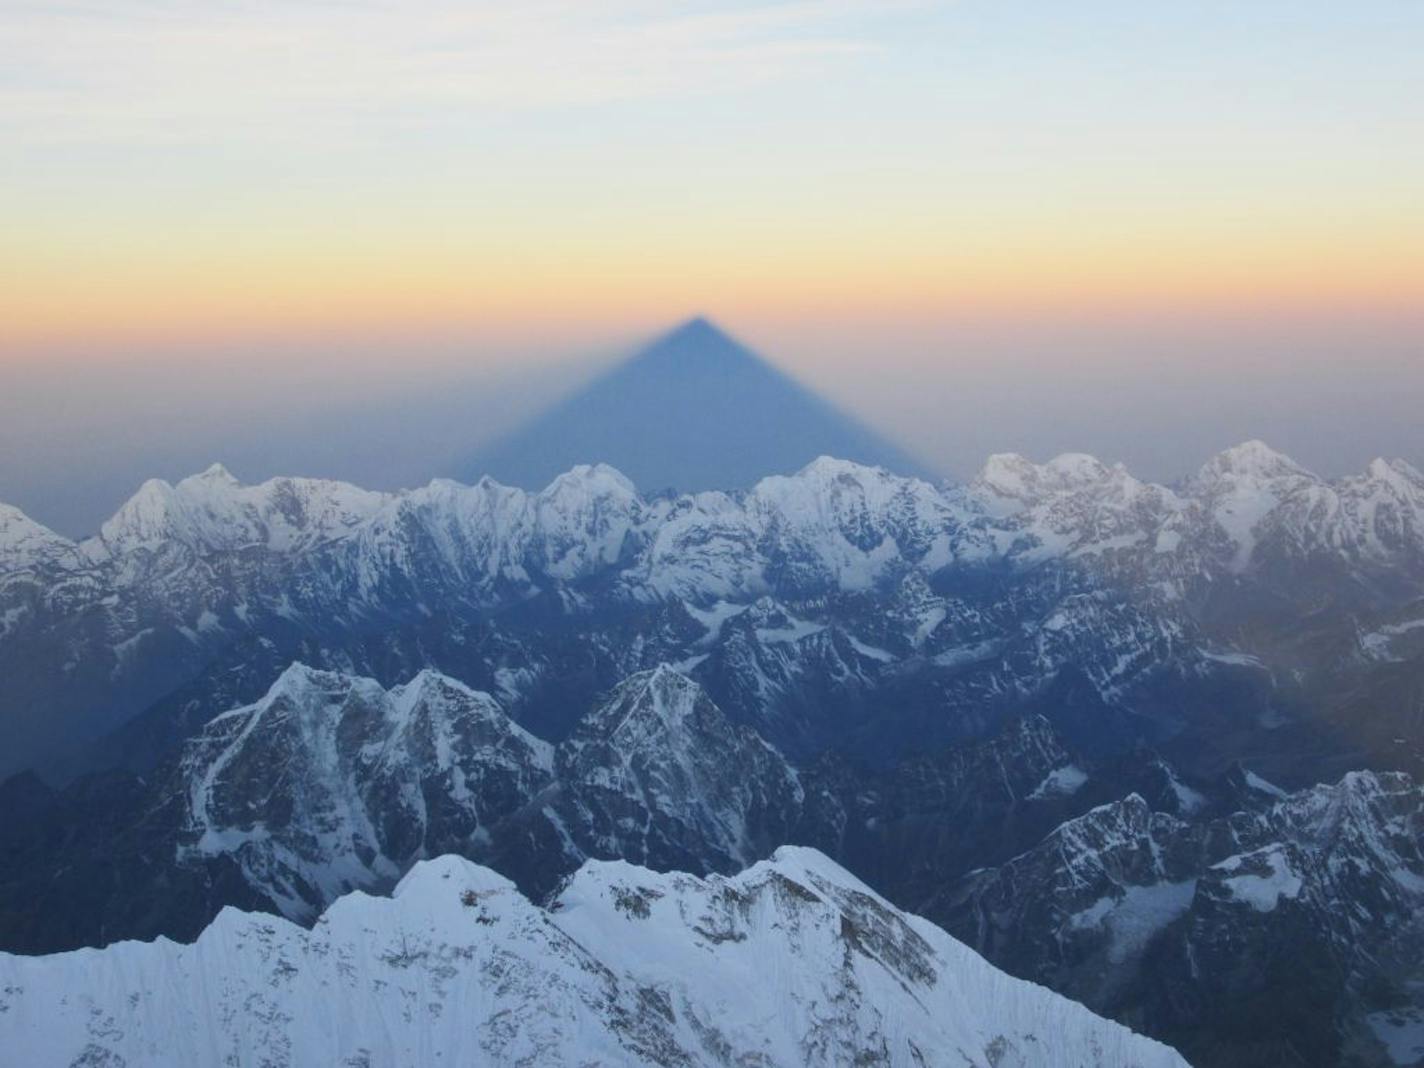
column 353, row 238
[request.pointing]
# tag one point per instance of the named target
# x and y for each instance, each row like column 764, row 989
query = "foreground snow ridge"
column 792, row 962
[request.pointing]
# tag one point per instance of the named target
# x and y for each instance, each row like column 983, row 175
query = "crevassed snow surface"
column 792, row 962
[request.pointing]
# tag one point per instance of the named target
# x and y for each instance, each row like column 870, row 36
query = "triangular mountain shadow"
column 694, row 410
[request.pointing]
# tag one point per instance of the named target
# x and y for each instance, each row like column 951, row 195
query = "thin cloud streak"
column 159, row 73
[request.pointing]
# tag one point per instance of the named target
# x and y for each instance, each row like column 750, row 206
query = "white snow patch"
column 794, row 631
column 871, row 651
column 1188, row 800
column 962, row 655
column 1234, row 659
column 1060, row 782
column 1167, row 541
column 682, row 667
column 712, row 618
column 1263, row 892
column 928, row 620
column 1255, row 782
column 1134, row 918
column 1402, row 1033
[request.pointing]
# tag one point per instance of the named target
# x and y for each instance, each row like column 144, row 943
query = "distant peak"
column 310, row 686
column 211, row 476
column 598, row 479
column 430, row 678
column 435, row 689
column 1011, row 475
column 830, row 467
column 1078, row 467
column 436, row 881
column 661, row 694
column 667, row 675
column 295, row 677
column 12, row 516
column 1395, row 472
column 657, row 680
column 217, row 473
column 1253, row 459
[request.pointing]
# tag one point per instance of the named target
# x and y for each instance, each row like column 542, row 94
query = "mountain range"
column 800, row 603
column 1152, row 746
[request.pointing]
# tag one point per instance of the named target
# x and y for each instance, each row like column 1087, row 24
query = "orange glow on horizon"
column 59, row 300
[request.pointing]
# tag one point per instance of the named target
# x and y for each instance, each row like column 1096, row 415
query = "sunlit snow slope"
column 793, row 962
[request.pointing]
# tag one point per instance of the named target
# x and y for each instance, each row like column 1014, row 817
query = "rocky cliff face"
column 1187, row 908
column 331, row 783
column 655, row 775
column 1287, row 932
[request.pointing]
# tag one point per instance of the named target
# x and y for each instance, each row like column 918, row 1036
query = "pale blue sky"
column 1145, row 230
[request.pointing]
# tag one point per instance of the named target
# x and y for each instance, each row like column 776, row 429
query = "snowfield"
column 792, row 962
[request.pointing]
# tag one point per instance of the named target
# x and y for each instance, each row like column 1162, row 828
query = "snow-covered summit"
column 793, row 962
column 1251, row 460
column 213, row 512
column 25, row 543
column 1015, row 477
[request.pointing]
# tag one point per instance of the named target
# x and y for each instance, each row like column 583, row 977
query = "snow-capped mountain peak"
column 214, row 472
column 25, row 543
column 213, row 512
column 144, row 519
column 1016, row 478
column 584, row 519
column 628, row 966
column 1251, row 461
column 300, row 685
column 1394, row 472
column 590, row 482
column 648, row 703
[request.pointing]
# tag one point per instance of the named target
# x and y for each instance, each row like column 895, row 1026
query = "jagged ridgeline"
column 1181, row 908
column 1248, row 613
column 1077, row 718
column 625, row 966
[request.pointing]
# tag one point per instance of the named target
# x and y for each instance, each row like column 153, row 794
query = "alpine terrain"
column 623, row 966
column 1153, row 747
